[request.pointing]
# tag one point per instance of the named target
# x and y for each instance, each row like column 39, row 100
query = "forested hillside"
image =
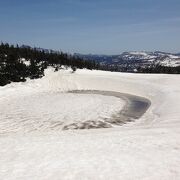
column 18, row 63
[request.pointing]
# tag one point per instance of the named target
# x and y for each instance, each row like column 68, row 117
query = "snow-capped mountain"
column 162, row 58
column 135, row 59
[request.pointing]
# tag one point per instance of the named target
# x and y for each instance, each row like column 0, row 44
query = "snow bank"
column 41, row 105
column 146, row 149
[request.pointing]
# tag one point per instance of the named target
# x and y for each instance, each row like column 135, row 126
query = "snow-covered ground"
column 146, row 149
column 52, row 112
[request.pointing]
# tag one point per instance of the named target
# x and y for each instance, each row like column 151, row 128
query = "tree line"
column 14, row 66
column 159, row 69
column 20, row 62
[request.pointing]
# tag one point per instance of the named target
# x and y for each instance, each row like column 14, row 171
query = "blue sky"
column 92, row 26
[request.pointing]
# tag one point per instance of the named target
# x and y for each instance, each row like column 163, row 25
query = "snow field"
column 51, row 112
column 146, row 149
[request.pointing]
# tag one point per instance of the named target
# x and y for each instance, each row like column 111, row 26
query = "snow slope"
column 52, row 112
column 146, row 149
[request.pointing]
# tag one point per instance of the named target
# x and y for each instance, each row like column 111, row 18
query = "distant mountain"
column 131, row 61
column 177, row 54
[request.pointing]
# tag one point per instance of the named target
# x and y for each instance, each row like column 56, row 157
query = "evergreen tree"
column 12, row 68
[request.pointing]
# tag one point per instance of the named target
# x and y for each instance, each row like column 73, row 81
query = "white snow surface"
column 51, row 112
column 138, row 53
column 26, row 62
column 171, row 63
column 146, row 149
